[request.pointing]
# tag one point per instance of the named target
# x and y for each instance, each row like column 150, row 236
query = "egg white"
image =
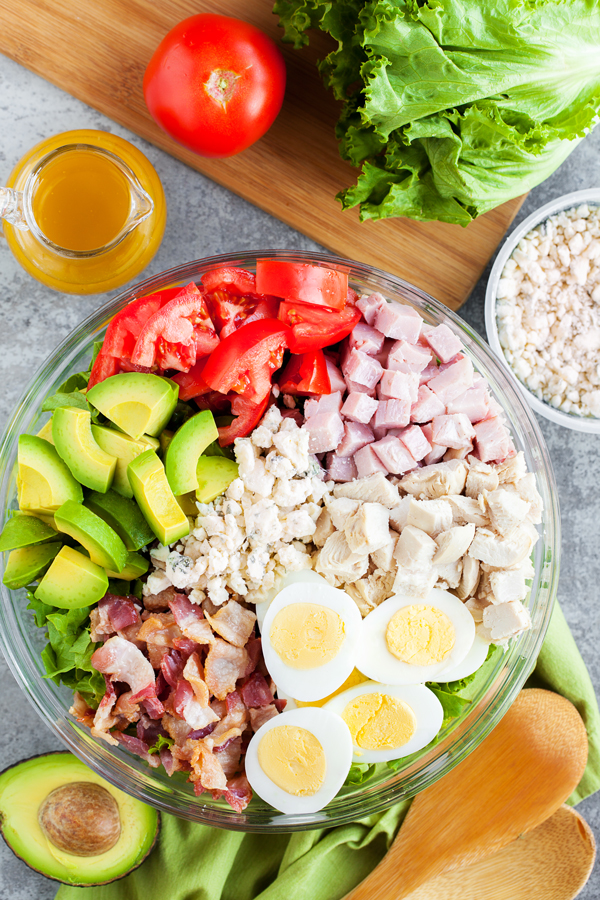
column 474, row 659
column 302, row 577
column 375, row 660
column 333, row 735
column 313, row 684
column 423, row 702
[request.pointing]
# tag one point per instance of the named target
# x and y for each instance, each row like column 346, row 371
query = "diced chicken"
column 444, row 343
column 369, row 592
column 476, row 606
column 413, row 438
column 473, row 403
column 366, row 338
column 383, row 558
column 502, row 552
column 439, row 480
column 453, row 544
column 458, row 454
column 361, row 368
column 368, row 529
column 527, row 490
column 337, row 559
column 415, row 585
column 431, row 516
column 405, row 357
column 374, row 489
column 427, row 406
column 505, row 620
column 340, row 468
column 398, row 386
column 335, row 376
column 368, row 463
column 452, row 431
column 356, row 435
column 340, row 509
column 480, row 477
column 414, row 549
column 448, row 575
column 512, row 469
column 324, row 529
column 467, row 509
column 452, row 381
column 396, row 458
column 399, row 514
column 369, row 304
column 325, row 431
column 506, row 510
column 492, row 439
column 359, row 407
column 399, row 322
column 469, row 578
column 508, row 585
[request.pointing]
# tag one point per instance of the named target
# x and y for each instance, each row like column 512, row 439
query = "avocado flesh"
column 137, row 403
column 23, row 531
column 25, row 786
column 155, row 498
column 184, row 451
column 124, row 516
column 215, row 474
column 149, row 441
column 102, row 543
column 72, row 581
column 136, row 566
column 44, row 481
column 26, row 563
column 124, row 449
column 45, row 431
column 74, row 441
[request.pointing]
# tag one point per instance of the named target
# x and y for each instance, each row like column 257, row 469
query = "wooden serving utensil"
column 517, row 777
column 553, row 861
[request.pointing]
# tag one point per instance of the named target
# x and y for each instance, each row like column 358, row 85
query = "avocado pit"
column 80, row 818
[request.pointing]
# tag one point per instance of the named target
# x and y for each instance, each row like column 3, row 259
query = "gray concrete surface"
column 203, row 219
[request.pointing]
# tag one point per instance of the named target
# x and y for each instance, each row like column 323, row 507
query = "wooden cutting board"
column 97, row 50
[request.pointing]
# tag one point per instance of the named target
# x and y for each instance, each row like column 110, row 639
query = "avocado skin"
column 143, row 840
column 124, row 516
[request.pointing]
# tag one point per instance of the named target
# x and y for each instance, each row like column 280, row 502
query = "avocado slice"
column 72, row 581
column 74, row 441
column 23, row 531
column 135, row 566
column 137, row 403
column 124, row 449
column 215, row 474
column 149, row 441
column 166, row 437
column 183, row 453
column 45, row 431
column 26, row 563
column 155, row 498
column 25, row 789
column 44, row 481
column 124, row 516
column 102, row 543
column 188, row 503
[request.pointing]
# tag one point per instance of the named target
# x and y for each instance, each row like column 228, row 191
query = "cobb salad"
column 273, row 533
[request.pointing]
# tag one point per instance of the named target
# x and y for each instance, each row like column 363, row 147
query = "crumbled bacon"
column 224, row 665
column 229, row 755
column 261, row 715
column 186, row 706
column 160, row 601
column 140, row 748
column 207, row 772
column 190, row 619
column 256, row 692
column 238, row 793
column 234, row 623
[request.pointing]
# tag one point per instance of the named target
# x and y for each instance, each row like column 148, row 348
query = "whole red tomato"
column 215, row 84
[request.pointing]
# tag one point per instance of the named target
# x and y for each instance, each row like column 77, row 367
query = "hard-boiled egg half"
column 309, row 639
column 388, row 721
column 474, row 659
column 298, row 760
column 408, row 642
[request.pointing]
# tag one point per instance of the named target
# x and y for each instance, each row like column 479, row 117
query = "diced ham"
column 392, row 414
column 429, row 372
column 366, row 338
column 124, row 662
column 452, row 381
column 437, row 451
column 396, row 385
column 233, row 622
column 369, row 304
column 256, row 692
column 356, row 435
column 323, row 404
column 325, row 431
column 415, row 441
column 398, row 321
column 427, row 406
column 382, row 356
column 492, row 439
column 340, row 468
column 473, row 403
column 224, row 665
column 354, row 387
column 405, row 357
column 452, row 431
column 396, row 458
column 444, row 343
column 335, row 376
column 190, row 619
column 360, row 367
column 368, row 463
column 359, row 407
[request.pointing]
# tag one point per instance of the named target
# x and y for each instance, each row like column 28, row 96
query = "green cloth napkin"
column 195, row 862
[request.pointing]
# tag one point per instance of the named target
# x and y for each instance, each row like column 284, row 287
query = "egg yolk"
column 294, row 759
column 420, row 635
column 379, row 721
column 306, row 635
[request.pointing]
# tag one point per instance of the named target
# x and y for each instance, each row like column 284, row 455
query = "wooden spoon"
column 553, row 861
column 517, row 777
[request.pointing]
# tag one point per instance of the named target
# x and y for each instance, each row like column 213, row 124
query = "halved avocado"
column 74, row 441
column 56, row 785
column 73, row 581
column 102, row 543
column 23, row 531
column 44, row 481
column 156, row 499
column 185, row 448
column 124, row 515
column 26, row 563
column 137, row 403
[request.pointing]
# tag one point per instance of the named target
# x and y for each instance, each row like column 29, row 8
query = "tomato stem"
column 220, row 86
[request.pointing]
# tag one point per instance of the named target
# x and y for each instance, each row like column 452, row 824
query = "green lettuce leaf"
column 162, row 741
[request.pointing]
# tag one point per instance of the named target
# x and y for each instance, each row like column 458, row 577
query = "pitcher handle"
column 12, row 208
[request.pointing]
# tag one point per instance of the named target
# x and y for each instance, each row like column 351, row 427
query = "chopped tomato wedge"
column 176, row 335
column 233, row 280
column 305, row 375
column 215, row 402
column 314, row 328
column 230, row 311
column 245, row 360
column 104, row 366
column 191, row 384
column 247, row 413
column 303, row 282
column 124, row 329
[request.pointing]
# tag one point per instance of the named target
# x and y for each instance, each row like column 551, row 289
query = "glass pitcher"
column 83, row 212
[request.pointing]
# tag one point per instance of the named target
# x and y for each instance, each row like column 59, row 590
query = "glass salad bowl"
column 503, row 677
